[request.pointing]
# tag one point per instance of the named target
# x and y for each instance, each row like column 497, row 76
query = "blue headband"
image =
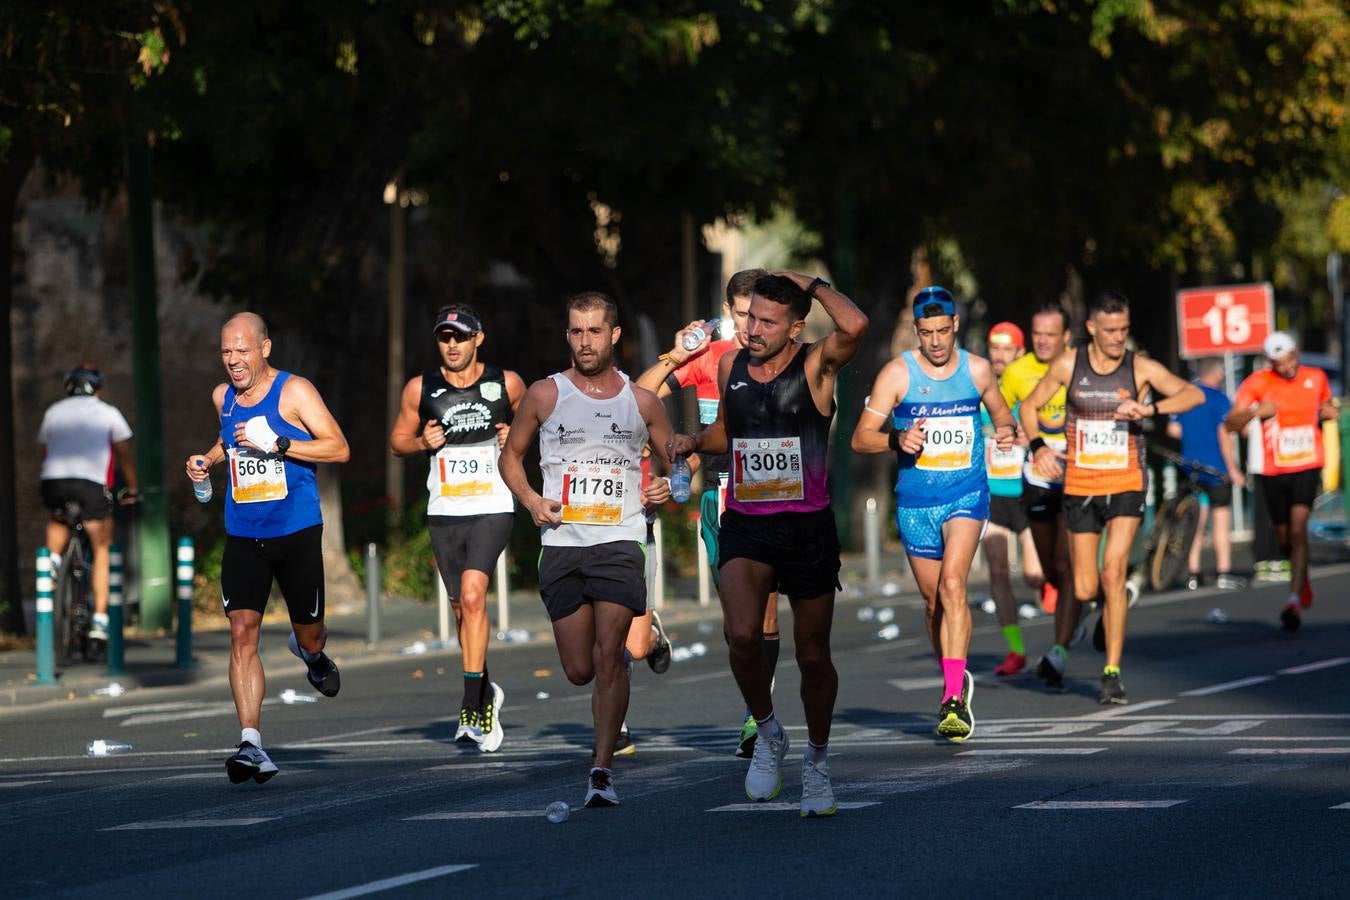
column 931, row 296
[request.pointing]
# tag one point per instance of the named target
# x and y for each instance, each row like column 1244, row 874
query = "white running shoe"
column 249, row 762
column 763, row 781
column 600, row 789
column 490, row 721
column 817, row 794
column 98, row 626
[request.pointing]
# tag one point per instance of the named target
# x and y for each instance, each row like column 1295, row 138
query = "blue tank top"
column 951, row 463
column 267, row 496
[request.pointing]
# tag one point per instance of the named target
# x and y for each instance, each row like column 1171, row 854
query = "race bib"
column 949, row 442
column 1003, row 464
column 767, row 469
column 1296, row 446
column 1102, row 445
column 256, row 476
column 468, row 471
column 593, row 495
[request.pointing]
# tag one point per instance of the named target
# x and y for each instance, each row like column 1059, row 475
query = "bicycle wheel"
column 1169, row 558
column 82, row 597
column 63, row 604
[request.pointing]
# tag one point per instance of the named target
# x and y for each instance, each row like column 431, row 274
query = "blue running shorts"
column 920, row 527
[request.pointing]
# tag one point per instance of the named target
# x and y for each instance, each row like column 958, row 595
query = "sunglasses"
column 450, row 334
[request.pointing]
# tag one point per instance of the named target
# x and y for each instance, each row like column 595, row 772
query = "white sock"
column 768, row 726
column 252, row 735
column 816, row 755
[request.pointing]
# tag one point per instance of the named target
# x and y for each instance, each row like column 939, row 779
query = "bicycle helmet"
column 83, row 380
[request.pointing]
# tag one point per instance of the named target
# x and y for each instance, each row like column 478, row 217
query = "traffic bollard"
column 186, row 554
column 116, row 647
column 872, row 540
column 373, row 593
column 46, row 640
column 503, row 594
column 658, row 551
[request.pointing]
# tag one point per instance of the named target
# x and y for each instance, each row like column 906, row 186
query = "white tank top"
column 79, row 433
column 591, row 455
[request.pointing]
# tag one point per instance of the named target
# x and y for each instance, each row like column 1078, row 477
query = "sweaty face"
column 769, row 327
column 1286, row 366
column 244, row 355
column 592, row 341
column 458, row 350
column 1049, row 336
column 739, row 311
column 1001, row 353
column 1109, row 332
column 937, row 337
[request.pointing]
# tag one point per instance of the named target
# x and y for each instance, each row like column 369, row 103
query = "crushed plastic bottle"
column 890, row 589
column 889, row 633
column 417, row 648
column 290, row 697
column 698, row 648
column 557, row 812
column 541, row 695
column 885, row 615
column 1027, row 611
column 1217, row 615
column 101, row 747
column 681, row 654
column 867, row 614
column 989, row 605
column 706, row 627
column 691, row 340
column 112, row 690
column 202, row 489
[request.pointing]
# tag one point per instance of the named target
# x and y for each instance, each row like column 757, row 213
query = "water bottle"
column 557, row 812
column 679, row 480
column 101, row 747
column 202, row 489
column 692, row 339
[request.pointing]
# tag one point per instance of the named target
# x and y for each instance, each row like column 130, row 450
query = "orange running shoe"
column 1049, row 598
column 1305, row 595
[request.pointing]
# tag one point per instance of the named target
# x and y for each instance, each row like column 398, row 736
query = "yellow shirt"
column 1016, row 383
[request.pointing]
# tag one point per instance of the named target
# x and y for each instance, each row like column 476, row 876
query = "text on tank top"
column 950, row 464
column 462, row 476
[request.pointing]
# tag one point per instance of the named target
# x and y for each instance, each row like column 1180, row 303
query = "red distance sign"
column 1235, row 318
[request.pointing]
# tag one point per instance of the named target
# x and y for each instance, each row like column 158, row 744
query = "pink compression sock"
column 953, row 677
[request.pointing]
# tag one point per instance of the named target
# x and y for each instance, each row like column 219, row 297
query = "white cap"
column 1278, row 344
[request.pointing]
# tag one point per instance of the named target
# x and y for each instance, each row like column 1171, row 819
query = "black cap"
column 462, row 322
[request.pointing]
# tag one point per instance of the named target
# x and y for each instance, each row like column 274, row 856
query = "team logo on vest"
column 573, row 436
column 617, row 435
column 469, row 416
column 491, row 391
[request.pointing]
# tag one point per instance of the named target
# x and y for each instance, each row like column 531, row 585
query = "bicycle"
column 72, row 601
column 1169, row 540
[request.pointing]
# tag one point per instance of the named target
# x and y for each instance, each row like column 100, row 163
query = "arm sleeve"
column 673, row 382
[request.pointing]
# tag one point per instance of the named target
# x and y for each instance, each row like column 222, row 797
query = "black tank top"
column 467, row 414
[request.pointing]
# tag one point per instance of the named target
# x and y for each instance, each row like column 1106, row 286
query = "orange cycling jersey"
column 1291, row 440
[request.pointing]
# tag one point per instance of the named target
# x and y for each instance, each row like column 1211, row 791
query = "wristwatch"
column 283, row 444
column 815, row 283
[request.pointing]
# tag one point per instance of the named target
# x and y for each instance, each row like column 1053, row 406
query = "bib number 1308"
column 765, row 469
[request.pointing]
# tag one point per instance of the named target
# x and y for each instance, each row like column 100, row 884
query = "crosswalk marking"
column 1290, row 751
column 480, row 814
column 1132, row 709
column 1099, row 804
column 1035, row 751
column 388, row 884
column 1227, row 686
column 785, row 806
column 1342, row 806
column 191, row 823
column 916, row 684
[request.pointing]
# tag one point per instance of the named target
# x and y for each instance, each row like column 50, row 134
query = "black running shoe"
column 658, row 658
column 1048, row 673
column 249, row 762
column 955, row 722
column 323, row 675
column 1290, row 619
column 1111, row 690
column 1099, row 634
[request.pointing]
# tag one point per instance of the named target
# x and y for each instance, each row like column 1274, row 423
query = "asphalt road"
column 1228, row 774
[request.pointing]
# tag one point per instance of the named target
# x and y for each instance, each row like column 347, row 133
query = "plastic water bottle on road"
column 557, row 812
column 101, row 747
column 202, row 489
column 679, row 480
column 691, row 340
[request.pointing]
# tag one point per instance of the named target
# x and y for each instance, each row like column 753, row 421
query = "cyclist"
column 1007, row 517
column 1291, row 401
column 84, row 437
column 1103, row 468
column 1205, row 440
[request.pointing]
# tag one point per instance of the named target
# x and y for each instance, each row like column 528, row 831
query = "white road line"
column 213, row 711
column 1099, row 804
column 1314, row 666
column 1036, row 751
column 1130, row 710
column 388, row 884
column 587, row 696
column 13, row 784
column 785, row 807
column 523, row 764
column 484, row 814
column 706, row 676
column 1341, row 806
column 1227, row 686
column 1289, row 751
column 118, row 711
column 190, row 823
column 915, row 684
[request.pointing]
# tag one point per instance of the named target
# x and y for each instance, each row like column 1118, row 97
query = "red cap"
column 1007, row 333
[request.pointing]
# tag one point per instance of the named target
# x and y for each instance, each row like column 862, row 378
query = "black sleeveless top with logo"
column 463, row 479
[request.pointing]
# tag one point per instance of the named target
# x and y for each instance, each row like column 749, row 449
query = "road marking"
column 1129, row 710
column 10, row 784
column 916, row 684
column 1314, row 666
column 1099, row 804
column 706, row 676
column 1227, row 686
column 785, row 807
column 190, row 823
column 485, row 814
column 388, row 884
column 115, row 712
column 1036, row 751
column 1342, row 806
column 1289, row 751
column 1218, row 729
column 211, row 711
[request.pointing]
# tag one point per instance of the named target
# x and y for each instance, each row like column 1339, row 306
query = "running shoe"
column 98, row 626
column 955, row 722
column 1111, row 690
column 1305, row 598
column 600, row 789
column 1049, row 598
column 249, row 762
column 468, row 731
column 658, row 658
column 1099, row 634
column 322, row 674
column 1051, row 671
column 1289, row 618
column 817, row 794
column 745, row 749
column 1011, row 665
column 490, row 722
column 623, row 744
column 967, row 695
column 1226, row 582
column 1194, row 581
column 763, row 781
column 1133, row 588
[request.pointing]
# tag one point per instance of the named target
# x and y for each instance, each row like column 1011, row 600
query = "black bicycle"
column 1169, row 540
column 73, row 599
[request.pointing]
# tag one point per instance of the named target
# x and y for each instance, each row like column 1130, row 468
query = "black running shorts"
column 571, row 577
column 94, row 499
column 1089, row 515
column 802, row 549
column 1220, row 495
column 1042, row 504
column 1007, row 512
column 468, row 542
column 294, row 560
column 1283, row 492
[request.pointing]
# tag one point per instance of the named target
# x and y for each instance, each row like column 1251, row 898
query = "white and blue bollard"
column 46, row 640
column 186, row 555
column 116, row 648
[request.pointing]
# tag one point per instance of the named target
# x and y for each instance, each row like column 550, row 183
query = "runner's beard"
column 461, row 364
column 598, row 364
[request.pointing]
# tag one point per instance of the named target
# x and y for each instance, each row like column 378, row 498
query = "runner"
column 1206, row 440
column 1104, row 474
column 592, row 425
column 1291, row 401
column 680, row 368
column 942, row 493
column 778, row 531
column 458, row 414
column 274, row 429
column 1007, row 518
column 82, row 437
column 1042, row 495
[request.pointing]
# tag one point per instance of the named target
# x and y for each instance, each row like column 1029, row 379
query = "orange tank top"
column 1106, row 454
